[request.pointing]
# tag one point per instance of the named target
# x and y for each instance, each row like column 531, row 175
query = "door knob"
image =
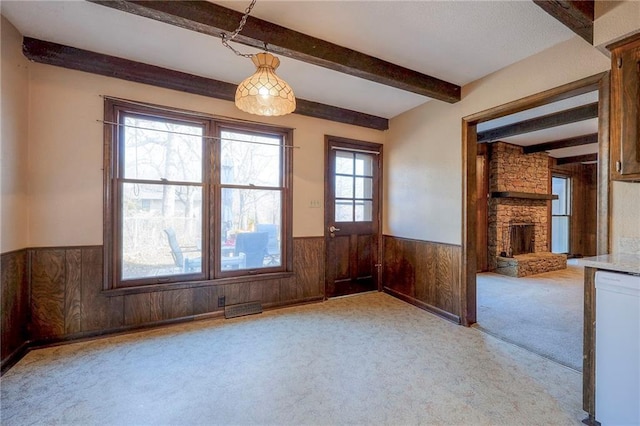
column 333, row 229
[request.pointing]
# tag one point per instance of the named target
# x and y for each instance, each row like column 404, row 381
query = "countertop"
column 629, row 263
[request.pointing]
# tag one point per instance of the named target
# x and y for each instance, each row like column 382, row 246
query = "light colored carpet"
column 542, row 313
column 367, row 359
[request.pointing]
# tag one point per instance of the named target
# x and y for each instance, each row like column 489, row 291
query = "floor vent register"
column 242, row 309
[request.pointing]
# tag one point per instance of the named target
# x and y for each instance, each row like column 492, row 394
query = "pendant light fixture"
column 263, row 93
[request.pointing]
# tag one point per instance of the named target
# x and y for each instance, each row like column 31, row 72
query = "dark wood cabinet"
column 625, row 109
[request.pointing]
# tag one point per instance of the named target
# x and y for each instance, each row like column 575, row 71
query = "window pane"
column 560, row 234
column 560, row 187
column 364, row 164
column 344, row 211
column 161, row 230
column 363, row 211
column 250, row 228
column 364, row 188
column 344, row 163
column 245, row 163
column 151, row 153
column 344, row 187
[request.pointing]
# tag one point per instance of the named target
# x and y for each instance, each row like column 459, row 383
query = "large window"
column 560, row 214
column 192, row 198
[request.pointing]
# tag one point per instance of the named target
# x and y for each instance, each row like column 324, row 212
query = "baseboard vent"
column 242, row 309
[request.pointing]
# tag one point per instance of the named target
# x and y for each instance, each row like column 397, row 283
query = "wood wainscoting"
column 425, row 274
column 67, row 300
column 15, row 306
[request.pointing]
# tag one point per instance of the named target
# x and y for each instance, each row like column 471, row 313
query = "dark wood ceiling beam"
column 562, row 143
column 96, row 63
column 577, row 15
column 212, row 19
column 568, row 116
column 577, row 159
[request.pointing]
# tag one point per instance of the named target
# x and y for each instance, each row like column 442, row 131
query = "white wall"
column 625, row 232
column 13, row 151
column 423, row 162
column 66, row 142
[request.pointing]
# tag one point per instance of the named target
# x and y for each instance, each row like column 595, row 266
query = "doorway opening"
column 471, row 197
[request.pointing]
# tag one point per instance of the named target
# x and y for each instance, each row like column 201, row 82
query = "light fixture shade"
column 264, row 93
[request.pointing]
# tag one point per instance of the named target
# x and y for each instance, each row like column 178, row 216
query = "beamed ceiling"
column 359, row 62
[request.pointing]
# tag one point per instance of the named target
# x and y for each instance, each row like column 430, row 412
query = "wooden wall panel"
column 176, row 303
column 67, row 300
column 584, row 202
column 205, row 299
column 308, row 265
column 424, row 273
column 137, row 309
column 399, row 271
column 48, row 278
column 15, row 305
column 95, row 307
column 73, row 292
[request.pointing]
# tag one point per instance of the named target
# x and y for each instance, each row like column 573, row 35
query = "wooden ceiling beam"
column 568, row 116
column 577, row 159
column 562, row 143
column 212, row 19
column 96, row 63
column 577, row 15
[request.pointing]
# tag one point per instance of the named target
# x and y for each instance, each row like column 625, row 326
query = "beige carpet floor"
column 367, row 359
column 542, row 313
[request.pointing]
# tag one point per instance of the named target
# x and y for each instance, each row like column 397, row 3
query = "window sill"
column 152, row 288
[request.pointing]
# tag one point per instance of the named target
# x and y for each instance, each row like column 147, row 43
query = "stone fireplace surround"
column 519, row 185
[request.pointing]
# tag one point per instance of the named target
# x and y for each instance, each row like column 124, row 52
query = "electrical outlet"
column 221, row 302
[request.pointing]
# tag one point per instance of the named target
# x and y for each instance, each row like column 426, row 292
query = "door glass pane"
column 250, row 228
column 560, row 187
column 560, row 234
column 161, row 230
column 245, row 163
column 344, row 187
column 344, row 211
column 364, row 211
column 364, row 188
column 364, row 164
column 155, row 150
column 344, row 163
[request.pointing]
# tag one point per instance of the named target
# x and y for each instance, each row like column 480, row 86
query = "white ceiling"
column 457, row 41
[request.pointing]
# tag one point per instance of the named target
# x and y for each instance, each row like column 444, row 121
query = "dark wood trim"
column 469, row 255
column 569, row 90
column 97, row 63
column 562, row 143
column 152, row 288
column 212, row 19
column 13, row 358
column 523, row 195
column 577, row 15
column 577, row 159
column 604, row 165
column 568, row 116
column 589, row 343
column 420, row 304
column 421, row 241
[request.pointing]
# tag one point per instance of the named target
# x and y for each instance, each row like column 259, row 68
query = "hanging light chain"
column 226, row 38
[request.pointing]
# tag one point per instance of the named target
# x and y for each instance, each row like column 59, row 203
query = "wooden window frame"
column 211, row 273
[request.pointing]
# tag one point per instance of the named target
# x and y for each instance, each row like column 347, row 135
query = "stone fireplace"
column 518, row 212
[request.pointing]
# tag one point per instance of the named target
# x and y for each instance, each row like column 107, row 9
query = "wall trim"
column 420, row 241
column 425, row 306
